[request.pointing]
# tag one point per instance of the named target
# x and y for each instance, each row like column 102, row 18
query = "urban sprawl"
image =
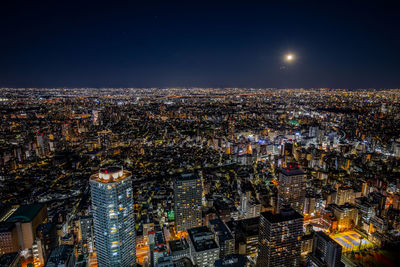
column 199, row 177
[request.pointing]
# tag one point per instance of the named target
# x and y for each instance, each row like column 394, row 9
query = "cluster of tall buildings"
column 277, row 237
column 279, row 234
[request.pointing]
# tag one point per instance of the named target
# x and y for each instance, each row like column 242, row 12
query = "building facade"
column 8, row 238
column 113, row 217
column 292, row 188
column 224, row 237
column 27, row 218
column 203, row 248
column 325, row 252
column 280, row 238
column 188, row 196
column 179, row 248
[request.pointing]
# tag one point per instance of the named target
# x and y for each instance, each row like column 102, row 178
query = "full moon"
column 289, row 57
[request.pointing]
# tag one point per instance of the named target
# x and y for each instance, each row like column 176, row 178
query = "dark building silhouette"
column 280, row 238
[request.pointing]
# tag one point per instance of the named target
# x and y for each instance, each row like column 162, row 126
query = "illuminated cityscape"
column 199, row 134
column 122, row 175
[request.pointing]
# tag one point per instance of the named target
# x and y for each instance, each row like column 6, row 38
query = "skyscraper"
column 114, row 223
column 188, row 191
column 325, row 252
column 292, row 188
column 280, row 238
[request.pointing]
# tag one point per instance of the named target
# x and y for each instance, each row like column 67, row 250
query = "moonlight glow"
column 289, row 57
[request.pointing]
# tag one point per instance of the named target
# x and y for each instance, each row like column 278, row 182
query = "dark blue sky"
column 199, row 44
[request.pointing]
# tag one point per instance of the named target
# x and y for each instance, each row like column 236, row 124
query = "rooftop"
column 59, row 255
column 6, row 227
column 292, row 170
column 202, row 238
column 178, row 245
column 158, row 237
column 287, row 214
column 221, row 230
column 26, row 213
column 249, row 227
column 165, row 260
column 183, row 262
column 45, row 228
column 234, row 260
column 187, row 176
column 110, row 175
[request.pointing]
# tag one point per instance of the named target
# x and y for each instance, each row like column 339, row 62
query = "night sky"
column 339, row 44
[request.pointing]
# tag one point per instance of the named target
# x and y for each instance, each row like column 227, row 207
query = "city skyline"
column 199, row 133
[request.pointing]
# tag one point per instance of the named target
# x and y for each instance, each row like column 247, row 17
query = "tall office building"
column 292, row 188
column 325, row 252
column 280, row 238
column 246, row 234
column 113, row 218
column 188, row 194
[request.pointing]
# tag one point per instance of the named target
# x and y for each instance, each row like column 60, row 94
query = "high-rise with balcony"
column 188, row 194
column 292, row 188
column 280, row 238
column 325, row 252
column 113, row 217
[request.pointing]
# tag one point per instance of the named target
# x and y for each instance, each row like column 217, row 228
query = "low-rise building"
column 62, row 256
column 203, row 248
column 179, row 249
column 224, row 237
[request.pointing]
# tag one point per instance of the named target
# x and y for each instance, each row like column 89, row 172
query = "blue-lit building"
column 113, row 217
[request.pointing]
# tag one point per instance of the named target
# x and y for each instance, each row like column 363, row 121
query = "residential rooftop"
column 284, row 215
column 221, row 230
column 178, row 245
column 292, row 170
column 202, row 238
